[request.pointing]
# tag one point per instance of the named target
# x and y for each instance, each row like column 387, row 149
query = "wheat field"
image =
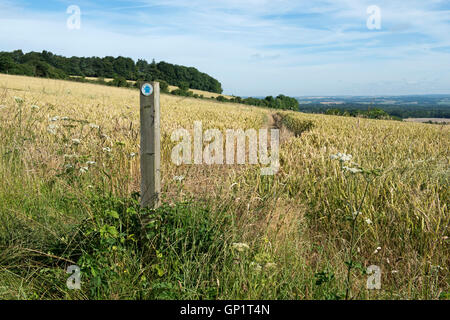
column 69, row 172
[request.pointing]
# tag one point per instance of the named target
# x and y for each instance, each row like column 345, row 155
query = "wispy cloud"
column 256, row 47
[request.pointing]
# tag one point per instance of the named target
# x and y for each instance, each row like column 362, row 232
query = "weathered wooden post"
column 150, row 146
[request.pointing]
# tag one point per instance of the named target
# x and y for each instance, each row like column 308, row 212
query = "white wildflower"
column 436, row 268
column 356, row 214
column 34, row 107
column 94, row 126
column 18, row 99
column 178, row 178
column 352, row 170
column 241, row 246
column 91, row 163
column 84, row 169
column 368, row 221
column 106, row 149
column 132, row 155
column 270, row 265
column 256, row 266
column 68, row 166
column 55, row 118
column 76, row 141
column 341, row 157
column 52, row 128
column 346, row 157
column 377, row 250
column 70, row 156
column 64, row 118
column 394, row 271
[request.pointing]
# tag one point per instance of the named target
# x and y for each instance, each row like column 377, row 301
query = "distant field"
column 206, row 94
column 106, row 79
column 438, row 120
column 69, row 183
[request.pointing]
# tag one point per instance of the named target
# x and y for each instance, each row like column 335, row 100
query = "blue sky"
column 255, row 47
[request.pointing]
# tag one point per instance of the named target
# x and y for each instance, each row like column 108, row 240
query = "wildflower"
column 84, row 169
column 18, row 99
column 356, row 214
column 64, row 118
column 256, row 266
column 341, row 157
column 132, row 155
column 352, row 170
column 270, row 265
column 94, row 126
column 394, row 271
column 34, row 107
column 377, row 250
column 368, row 221
column 70, row 156
column 436, row 268
column 106, row 149
column 55, row 118
column 241, row 247
column 68, row 166
column 346, row 157
column 90, row 163
column 178, row 178
column 76, row 141
column 52, row 128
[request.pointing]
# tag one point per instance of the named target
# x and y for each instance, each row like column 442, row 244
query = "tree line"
column 281, row 102
column 49, row 65
column 121, row 69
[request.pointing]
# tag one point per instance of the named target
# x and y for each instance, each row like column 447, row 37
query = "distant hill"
column 408, row 106
column 124, row 72
column 205, row 94
column 49, row 65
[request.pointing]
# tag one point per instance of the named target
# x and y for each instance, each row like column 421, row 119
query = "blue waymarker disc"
column 147, row 89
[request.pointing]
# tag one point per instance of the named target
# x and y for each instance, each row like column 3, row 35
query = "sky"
column 255, row 47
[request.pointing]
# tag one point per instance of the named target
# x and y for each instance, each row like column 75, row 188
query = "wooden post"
column 150, row 146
